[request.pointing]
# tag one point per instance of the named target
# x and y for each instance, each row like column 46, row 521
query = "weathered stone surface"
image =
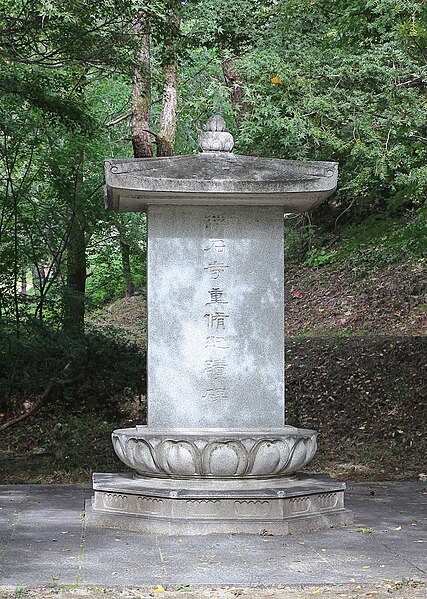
column 213, row 454
column 218, row 179
column 215, row 317
column 279, row 506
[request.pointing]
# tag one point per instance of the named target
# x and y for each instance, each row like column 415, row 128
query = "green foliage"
column 318, row 257
column 352, row 88
column 380, row 241
column 96, row 370
column 106, row 276
column 106, row 280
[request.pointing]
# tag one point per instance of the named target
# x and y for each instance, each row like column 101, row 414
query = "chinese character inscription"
column 216, row 314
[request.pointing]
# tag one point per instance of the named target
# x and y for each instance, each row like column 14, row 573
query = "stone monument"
column 216, row 456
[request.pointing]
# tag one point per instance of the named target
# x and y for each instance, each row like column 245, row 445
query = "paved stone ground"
column 43, row 542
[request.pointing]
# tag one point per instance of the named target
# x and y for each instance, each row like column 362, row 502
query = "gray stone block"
column 215, row 317
column 275, row 506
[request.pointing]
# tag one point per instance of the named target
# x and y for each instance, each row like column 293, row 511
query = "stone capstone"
column 218, row 178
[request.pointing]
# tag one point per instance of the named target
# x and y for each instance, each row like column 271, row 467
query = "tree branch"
column 53, row 383
column 119, row 119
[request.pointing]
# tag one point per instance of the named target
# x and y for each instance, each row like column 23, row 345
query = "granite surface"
column 215, row 317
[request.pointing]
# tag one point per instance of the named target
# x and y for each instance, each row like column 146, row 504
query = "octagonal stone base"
column 181, row 507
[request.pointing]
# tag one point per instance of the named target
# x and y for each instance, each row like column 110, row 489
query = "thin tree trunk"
column 168, row 115
column 127, row 274
column 24, row 281
column 141, row 95
column 234, row 82
column 16, row 264
column 38, row 275
column 74, row 301
column 74, row 305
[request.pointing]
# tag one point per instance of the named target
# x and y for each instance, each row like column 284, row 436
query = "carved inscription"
column 217, row 297
column 215, row 394
column 214, row 223
column 216, row 368
column 216, row 342
column 216, row 320
column 216, row 246
column 215, row 269
column 216, row 310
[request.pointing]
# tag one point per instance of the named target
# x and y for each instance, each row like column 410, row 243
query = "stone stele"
column 216, row 455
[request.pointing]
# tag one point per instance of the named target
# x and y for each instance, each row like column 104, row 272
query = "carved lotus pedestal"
column 216, row 481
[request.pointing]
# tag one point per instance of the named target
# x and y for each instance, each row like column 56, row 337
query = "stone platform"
column 288, row 505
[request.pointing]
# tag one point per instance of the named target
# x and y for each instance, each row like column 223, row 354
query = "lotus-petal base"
column 215, row 453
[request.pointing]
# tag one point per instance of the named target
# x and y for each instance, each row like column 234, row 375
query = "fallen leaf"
column 159, row 589
column 276, row 80
column 316, row 592
column 366, row 567
column 398, row 528
column 366, row 531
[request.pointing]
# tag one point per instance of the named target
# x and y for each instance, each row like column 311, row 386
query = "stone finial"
column 215, row 138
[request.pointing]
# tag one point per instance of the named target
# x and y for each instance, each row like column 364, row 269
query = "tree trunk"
column 141, row 95
column 127, row 274
column 24, row 281
column 167, row 130
column 74, row 300
column 234, row 82
column 38, row 275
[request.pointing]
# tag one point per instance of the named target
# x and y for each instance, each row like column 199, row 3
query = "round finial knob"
column 216, row 123
column 214, row 138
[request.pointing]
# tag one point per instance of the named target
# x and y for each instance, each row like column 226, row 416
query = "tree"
column 52, row 55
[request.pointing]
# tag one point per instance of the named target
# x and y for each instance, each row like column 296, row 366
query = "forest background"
column 306, row 80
